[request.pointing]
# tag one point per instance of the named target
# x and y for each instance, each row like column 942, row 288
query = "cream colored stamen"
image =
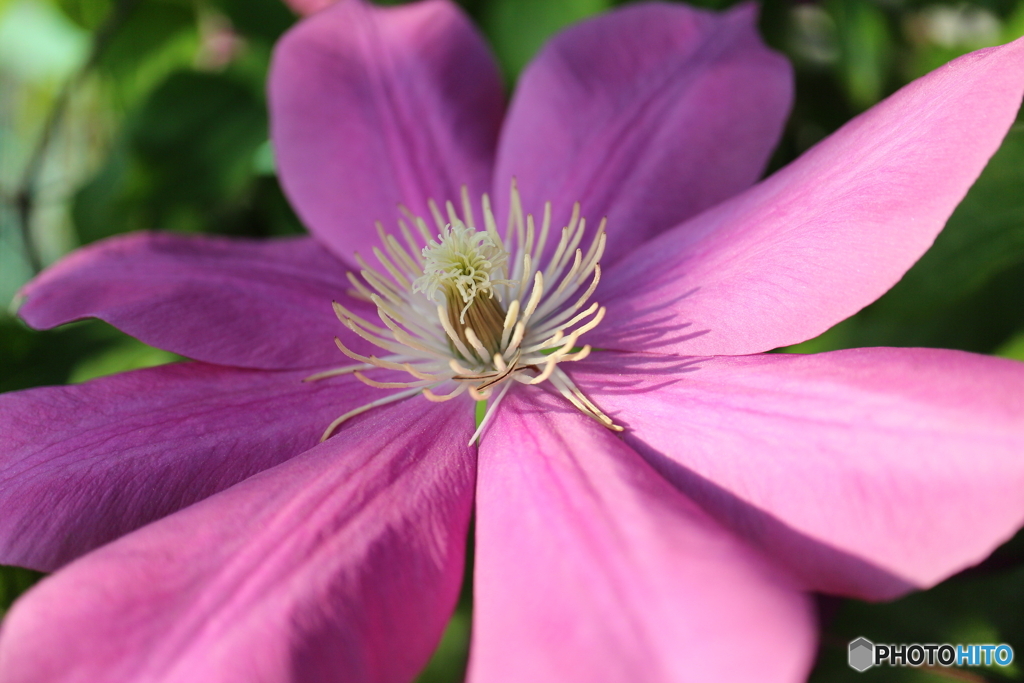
column 464, row 313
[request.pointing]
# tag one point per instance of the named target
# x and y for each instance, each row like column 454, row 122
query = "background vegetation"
column 120, row 115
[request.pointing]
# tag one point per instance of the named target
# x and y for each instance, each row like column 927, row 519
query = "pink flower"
column 682, row 549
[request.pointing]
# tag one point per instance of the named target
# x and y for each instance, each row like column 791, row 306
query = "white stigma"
column 441, row 302
column 464, row 260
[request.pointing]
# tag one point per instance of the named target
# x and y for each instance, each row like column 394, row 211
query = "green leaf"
column 30, row 358
column 109, row 203
column 200, row 133
column 865, row 49
column 148, row 28
column 984, row 604
column 261, row 19
column 88, row 14
column 448, row 663
column 518, row 28
column 14, row 581
column 37, row 42
column 967, row 291
column 985, row 236
column 130, row 354
column 1013, row 347
column 188, row 161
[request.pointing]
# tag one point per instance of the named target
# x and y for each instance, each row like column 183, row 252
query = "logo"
column 863, row 654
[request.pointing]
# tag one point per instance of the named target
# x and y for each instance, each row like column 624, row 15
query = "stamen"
column 444, row 397
column 386, row 262
column 459, row 309
column 442, row 315
column 345, row 314
column 517, row 338
column 491, row 410
column 414, row 248
column 362, row 409
column 467, row 208
column 538, row 292
column 390, row 385
column 477, row 394
column 549, row 367
column 336, row 371
column 474, row 341
column 436, row 214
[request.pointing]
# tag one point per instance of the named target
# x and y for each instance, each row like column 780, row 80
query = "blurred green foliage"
column 166, row 128
column 452, row 654
column 187, row 161
column 518, row 28
column 966, row 292
column 986, row 608
column 29, row 358
column 13, row 582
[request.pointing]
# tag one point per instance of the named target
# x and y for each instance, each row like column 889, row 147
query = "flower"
column 201, row 533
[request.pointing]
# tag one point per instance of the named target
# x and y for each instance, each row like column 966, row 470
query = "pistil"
column 482, row 317
column 461, row 269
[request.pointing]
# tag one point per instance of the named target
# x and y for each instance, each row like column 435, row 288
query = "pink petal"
column 82, row 465
column 308, row 6
column 341, row 564
column 864, row 471
column 825, row 236
column 372, row 107
column 247, row 303
column 590, row 567
column 647, row 115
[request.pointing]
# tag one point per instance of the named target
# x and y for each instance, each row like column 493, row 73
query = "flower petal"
column 343, row 563
column 866, row 471
column 590, row 567
column 247, row 303
column 647, row 115
column 82, row 465
column 307, row 6
column 825, row 236
column 372, row 107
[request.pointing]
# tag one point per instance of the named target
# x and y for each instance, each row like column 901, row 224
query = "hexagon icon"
column 862, row 654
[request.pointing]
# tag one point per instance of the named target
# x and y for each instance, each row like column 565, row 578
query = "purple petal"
column 341, row 564
column 591, row 567
column 647, row 115
column 372, row 107
column 825, row 236
column 865, row 472
column 247, row 303
column 82, row 465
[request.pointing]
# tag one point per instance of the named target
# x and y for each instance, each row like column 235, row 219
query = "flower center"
column 466, row 310
column 459, row 271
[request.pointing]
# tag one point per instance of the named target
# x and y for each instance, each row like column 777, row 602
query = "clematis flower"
column 654, row 496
